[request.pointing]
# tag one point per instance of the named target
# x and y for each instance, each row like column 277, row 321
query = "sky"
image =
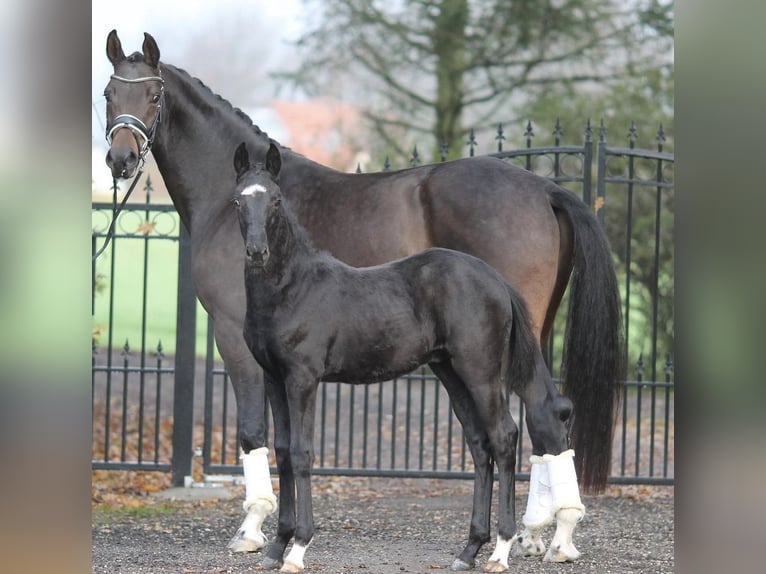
column 169, row 21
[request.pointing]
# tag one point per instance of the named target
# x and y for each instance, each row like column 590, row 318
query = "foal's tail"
column 593, row 359
column 522, row 345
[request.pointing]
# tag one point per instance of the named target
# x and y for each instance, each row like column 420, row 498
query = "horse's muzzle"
column 122, row 161
column 257, row 256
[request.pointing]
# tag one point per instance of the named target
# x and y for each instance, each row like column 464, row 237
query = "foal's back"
column 381, row 322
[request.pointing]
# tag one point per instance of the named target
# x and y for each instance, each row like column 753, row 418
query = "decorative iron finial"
column 528, row 133
column 415, row 159
column 126, row 349
column 148, row 188
column 558, row 131
column 387, row 165
column 358, row 168
column 588, row 132
column 668, row 366
column 632, row 134
column 602, row 132
column 500, row 137
column 640, row 367
column 444, row 149
column 159, row 353
column 471, row 143
column 660, row 137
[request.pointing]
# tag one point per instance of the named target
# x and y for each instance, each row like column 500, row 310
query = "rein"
column 138, row 129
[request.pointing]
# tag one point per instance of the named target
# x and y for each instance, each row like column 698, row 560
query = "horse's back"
column 501, row 214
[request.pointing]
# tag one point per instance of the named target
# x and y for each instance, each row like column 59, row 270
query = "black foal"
column 312, row 318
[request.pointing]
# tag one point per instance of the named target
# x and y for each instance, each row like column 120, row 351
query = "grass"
column 123, row 286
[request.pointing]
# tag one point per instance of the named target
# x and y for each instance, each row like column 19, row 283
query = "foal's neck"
column 291, row 250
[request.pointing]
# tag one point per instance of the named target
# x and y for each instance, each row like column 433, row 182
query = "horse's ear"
column 241, row 160
column 114, row 48
column 273, row 160
column 151, row 51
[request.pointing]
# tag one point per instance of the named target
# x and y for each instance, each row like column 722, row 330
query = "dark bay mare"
column 312, row 318
column 534, row 233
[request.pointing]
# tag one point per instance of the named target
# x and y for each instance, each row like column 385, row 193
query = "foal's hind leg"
column 478, row 444
column 482, row 384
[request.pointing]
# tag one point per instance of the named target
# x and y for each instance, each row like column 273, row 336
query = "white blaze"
column 253, row 189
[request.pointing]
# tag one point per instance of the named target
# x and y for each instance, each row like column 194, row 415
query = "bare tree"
column 425, row 66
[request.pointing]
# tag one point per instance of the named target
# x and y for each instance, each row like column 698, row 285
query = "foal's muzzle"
column 257, row 255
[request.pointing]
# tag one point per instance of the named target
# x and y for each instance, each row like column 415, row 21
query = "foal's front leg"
column 301, row 391
column 286, row 523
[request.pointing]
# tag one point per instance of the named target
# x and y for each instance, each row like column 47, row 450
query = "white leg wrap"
column 498, row 562
column 259, row 502
column 294, row 560
column 258, row 490
column 539, row 511
column 566, row 504
column 563, row 481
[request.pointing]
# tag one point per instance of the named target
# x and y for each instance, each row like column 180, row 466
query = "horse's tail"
column 593, row 359
column 522, row 344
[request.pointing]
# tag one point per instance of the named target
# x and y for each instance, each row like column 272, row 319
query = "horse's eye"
column 155, row 98
column 235, row 202
column 107, row 96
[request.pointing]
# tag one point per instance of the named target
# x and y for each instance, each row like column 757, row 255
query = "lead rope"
column 116, row 211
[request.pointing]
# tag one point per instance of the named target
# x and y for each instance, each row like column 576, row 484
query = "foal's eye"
column 155, row 98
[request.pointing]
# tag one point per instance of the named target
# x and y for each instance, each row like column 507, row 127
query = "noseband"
column 144, row 137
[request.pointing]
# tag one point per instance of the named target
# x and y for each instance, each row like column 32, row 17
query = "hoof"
column 495, row 566
column 459, row 566
column 526, row 546
column 291, row 567
column 562, row 554
column 270, row 563
column 241, row 544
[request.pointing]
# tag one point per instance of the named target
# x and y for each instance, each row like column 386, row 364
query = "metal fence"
column 167, row 410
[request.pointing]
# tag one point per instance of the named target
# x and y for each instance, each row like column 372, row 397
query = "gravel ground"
column 378, row 526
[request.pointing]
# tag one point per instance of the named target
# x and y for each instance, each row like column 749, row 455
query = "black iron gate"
column 404, row 427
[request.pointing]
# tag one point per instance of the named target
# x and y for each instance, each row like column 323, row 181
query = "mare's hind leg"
column 553, row 489
column 478, row 444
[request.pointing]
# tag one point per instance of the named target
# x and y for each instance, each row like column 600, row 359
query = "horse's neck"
column 194, row 147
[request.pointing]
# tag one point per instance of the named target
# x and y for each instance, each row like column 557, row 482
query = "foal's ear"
column 114, row 48
column 241, row 160
column 273, row 160
column 151, row 51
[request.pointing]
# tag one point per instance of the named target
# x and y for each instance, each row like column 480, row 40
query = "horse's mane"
column 139, row 57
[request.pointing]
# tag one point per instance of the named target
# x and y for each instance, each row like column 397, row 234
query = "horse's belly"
column 373, row 359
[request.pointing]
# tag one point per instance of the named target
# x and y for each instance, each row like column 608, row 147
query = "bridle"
column 144, row 138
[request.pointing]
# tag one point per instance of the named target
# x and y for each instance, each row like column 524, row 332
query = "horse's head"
column 134, row 98
column 256, row 195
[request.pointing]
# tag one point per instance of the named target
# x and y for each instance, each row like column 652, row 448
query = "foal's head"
column 256, row 198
